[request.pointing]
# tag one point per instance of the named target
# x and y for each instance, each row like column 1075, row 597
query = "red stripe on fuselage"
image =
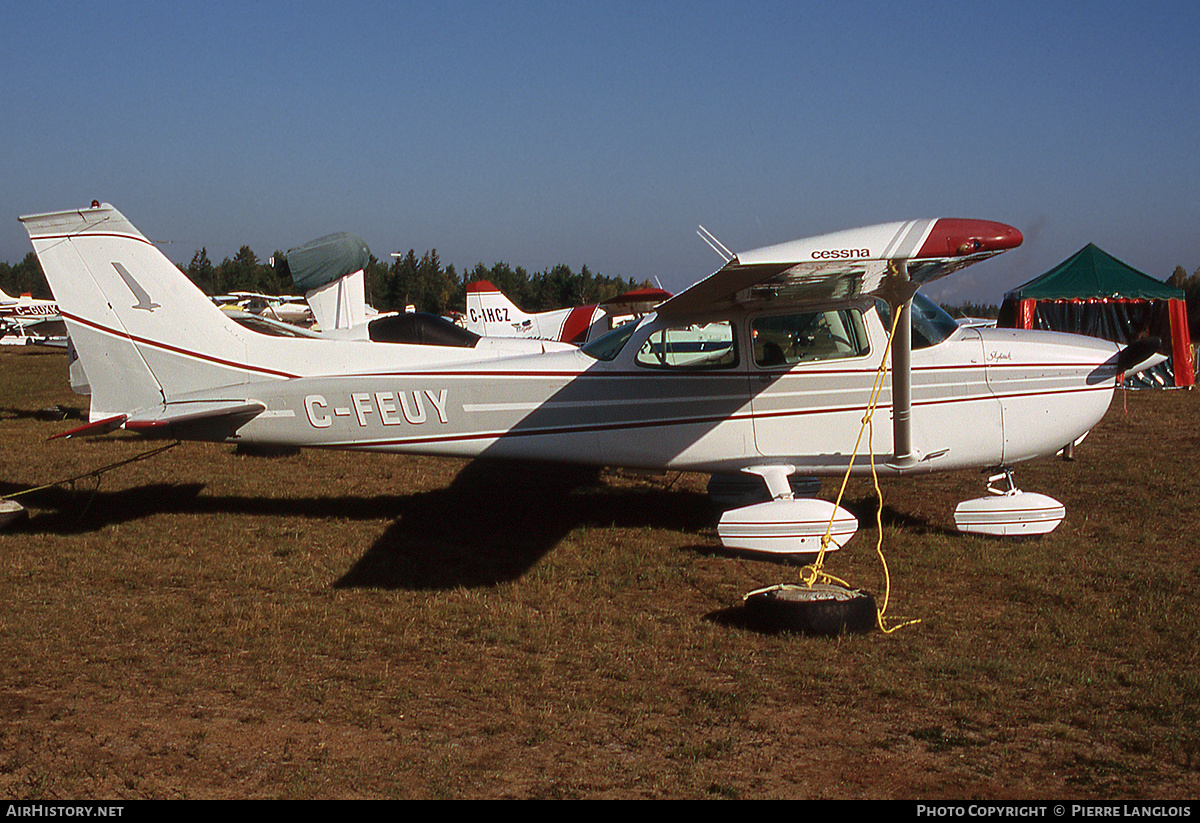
column 682, row 421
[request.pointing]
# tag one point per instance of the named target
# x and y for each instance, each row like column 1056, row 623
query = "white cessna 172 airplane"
column 765, row 367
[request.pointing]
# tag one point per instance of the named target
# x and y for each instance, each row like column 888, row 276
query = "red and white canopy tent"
column 1096, row 294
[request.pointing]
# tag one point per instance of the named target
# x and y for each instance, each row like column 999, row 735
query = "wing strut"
column 898, row 291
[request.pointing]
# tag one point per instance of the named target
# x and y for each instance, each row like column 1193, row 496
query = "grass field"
column 204, row 624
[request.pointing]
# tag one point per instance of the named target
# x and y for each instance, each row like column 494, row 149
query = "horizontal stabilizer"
column 225, row 415
column 219, row 419
column 96, row 427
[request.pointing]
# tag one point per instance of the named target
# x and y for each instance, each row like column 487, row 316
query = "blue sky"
column 603, row 133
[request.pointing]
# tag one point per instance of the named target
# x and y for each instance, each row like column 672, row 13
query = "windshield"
column 610, row 345
column 930, row 323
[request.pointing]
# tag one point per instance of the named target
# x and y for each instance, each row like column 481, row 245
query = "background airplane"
column 25, row 320
column 491, row 314
column 282, row 308
column 330, row 272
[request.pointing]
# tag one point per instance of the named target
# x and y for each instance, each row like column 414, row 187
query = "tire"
column 822, row 610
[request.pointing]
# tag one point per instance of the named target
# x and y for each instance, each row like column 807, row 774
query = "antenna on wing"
column 715, row 244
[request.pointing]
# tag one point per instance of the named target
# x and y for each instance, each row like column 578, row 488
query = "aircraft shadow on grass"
column 55, row 413
column 864, row 509
column 83, row 507
column 498, row 518
column 493, row 522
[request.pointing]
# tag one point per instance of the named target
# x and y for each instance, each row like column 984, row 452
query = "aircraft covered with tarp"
column 329, row 271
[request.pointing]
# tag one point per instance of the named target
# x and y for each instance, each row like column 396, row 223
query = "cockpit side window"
column 787, row 339
column 707, row 346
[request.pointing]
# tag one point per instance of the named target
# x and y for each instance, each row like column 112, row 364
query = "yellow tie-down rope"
column 96, row 474
column 814, row 573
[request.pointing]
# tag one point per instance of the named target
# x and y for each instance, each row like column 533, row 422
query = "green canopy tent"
column 1096, row 294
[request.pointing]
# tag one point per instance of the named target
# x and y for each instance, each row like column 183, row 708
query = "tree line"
column 968, row 309
column 421, row 282
column 24, row 278
column 1191, row 293
column 410, row 280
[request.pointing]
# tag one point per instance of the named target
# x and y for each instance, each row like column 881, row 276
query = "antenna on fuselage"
column 715, row 244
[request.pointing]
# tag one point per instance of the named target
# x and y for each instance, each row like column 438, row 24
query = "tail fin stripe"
column 142, row 341
column 72, row 236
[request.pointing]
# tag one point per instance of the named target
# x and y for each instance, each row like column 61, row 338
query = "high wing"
column 638, row 300
column 890, row 260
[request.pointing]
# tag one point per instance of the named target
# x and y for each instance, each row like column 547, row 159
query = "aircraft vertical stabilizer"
column 340, row 305
column 120, row 297
column 491, row 314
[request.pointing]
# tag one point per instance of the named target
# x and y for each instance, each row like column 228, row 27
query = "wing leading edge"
column 848, row 264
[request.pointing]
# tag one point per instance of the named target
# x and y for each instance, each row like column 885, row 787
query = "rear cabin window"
column 787, row 339
column 708, row 346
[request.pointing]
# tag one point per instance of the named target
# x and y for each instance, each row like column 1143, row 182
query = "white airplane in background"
column 764, row 367
column 489, row 313
column 283, row 308
column 26, row 319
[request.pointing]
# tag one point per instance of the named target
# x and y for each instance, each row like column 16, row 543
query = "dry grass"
column 333, row 625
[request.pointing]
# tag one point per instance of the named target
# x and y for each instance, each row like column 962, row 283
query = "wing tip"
column 959, row 237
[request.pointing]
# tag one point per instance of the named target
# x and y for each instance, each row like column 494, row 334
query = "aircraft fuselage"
column 980, row 397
